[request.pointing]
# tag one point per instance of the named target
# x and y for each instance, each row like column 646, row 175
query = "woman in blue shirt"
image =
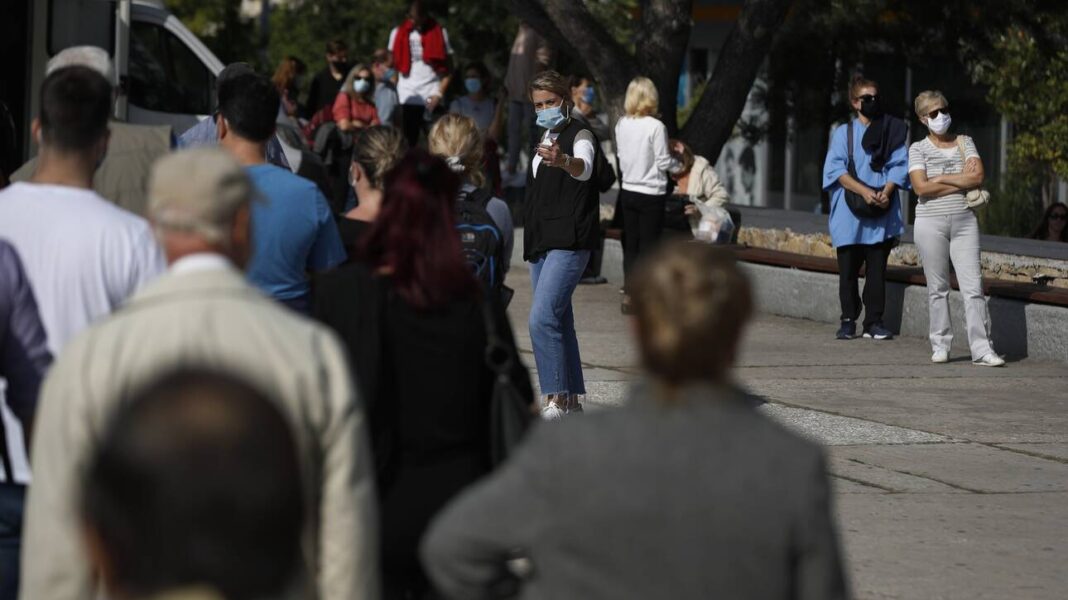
column 881, row 161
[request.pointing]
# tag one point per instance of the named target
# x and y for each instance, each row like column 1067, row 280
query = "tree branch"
column 739, row 61
column 569, row 26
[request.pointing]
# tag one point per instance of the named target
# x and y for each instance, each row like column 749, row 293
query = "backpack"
column 481, row 239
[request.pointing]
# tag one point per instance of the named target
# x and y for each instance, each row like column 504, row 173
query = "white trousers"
column 954, row 238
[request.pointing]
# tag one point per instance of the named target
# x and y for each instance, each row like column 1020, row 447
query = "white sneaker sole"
column 552, row 413
column 876, row 337
column 999, row 362
column 940, row 360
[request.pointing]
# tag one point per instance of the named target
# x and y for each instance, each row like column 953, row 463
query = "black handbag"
column 855, row 201
column 511, row 402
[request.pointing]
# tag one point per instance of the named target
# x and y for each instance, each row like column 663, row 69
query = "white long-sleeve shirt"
column 641, row 144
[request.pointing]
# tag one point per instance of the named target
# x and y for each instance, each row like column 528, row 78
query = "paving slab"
column 883, row 478
column 834, row 430
column 1052, row 451
column 956, row 546
column 967, row 466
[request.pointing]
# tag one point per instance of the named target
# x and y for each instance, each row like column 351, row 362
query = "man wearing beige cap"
column 202, row 312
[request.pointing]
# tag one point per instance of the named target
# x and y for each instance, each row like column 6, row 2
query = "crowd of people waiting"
column 278, row 354
column 260, row 393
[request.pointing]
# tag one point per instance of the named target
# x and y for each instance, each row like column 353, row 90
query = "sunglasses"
column 867, row 98
column 1058, row 217
column 362, row 79
column 934, row 113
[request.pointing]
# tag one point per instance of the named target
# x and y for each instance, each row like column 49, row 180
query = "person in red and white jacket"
column 424, row 67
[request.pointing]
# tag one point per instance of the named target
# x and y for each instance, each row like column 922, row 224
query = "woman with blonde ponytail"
column 456, row 139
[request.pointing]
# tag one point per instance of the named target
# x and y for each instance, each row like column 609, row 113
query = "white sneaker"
column 551, row 411
column 940, row 356
column 990, row 360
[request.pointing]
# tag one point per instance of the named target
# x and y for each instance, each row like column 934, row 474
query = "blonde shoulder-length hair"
column 456, row 139
column 642, row 98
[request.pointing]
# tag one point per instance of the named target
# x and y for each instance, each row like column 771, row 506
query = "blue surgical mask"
column 473, row 85
column 362, row 86
column 550, row 118
column 587, row 96
column 390, row 74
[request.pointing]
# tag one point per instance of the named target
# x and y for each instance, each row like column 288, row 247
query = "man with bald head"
column 202, row 311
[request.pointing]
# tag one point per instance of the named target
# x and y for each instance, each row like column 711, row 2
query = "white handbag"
column 977, row 197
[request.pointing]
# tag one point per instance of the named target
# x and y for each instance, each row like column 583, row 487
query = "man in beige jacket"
column 202, row 312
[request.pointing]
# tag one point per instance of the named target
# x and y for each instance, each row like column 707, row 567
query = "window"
column 77, row 23
column 165, row 75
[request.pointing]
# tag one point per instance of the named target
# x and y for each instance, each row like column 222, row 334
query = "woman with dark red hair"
column 411, row 314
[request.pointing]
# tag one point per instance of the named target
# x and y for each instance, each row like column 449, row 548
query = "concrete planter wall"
column 1018, row 329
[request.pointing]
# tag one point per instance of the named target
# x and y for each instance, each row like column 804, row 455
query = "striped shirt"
column 924, row 155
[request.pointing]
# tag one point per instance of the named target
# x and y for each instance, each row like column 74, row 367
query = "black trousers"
column 643, row 222
column 874, row 258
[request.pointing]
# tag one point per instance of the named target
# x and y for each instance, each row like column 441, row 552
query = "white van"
column 165, row 74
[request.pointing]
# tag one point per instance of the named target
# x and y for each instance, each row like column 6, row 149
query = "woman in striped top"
column 943, row 167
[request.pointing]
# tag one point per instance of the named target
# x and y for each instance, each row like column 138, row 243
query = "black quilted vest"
column 560, row 212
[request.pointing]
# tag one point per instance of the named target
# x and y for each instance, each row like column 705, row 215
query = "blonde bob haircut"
column 691, row 303
column 642, row 98
column 926, row 99
column 456, row 139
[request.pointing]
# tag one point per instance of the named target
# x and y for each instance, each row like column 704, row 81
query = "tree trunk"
column 663, row 37
column 570, row 27
column 739, row 61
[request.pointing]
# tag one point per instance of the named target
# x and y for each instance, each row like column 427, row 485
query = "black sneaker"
column 847, row 331
column 878, row 332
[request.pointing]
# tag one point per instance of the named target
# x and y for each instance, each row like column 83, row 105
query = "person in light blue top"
column 293, row 231
column 205, row 133
column 881, row 161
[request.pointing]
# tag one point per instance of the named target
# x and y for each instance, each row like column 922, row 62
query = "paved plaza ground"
column 951, row 480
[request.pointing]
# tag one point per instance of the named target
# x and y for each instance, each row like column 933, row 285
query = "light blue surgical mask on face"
column 473, row 85
column 587, row 96
column 552, row 117
column 390, row 74
column 362, row 86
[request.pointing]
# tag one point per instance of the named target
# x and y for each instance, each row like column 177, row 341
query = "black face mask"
column 871, row 108
column 340, row 65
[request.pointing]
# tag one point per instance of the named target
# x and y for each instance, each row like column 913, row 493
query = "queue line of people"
column 218, row 310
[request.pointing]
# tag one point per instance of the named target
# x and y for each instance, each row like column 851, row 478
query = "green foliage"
column 1026, row 71
column 302, row 29
column 1013, row 209
column 219, row 25
column 617, row 16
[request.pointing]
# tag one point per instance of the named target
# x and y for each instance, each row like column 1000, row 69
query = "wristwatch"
column 567, row 161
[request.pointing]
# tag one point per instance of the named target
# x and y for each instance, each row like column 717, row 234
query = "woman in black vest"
column 561, row 214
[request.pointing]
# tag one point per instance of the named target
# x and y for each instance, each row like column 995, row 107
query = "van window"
column 164, row 74
column 77, row 23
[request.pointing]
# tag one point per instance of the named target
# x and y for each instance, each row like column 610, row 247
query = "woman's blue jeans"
column 552, row 321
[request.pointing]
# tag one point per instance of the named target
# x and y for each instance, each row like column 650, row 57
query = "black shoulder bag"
column 510, row 404
column 855, row 201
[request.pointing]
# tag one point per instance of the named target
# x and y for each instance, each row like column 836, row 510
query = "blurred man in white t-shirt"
column 82, row 254
column 424, row 67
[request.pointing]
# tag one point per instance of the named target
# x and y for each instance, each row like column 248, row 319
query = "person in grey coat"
column 685, row 492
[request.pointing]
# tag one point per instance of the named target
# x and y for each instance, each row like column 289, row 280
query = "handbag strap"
column 498, row 356
column 851, row 166
column 960, row 149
